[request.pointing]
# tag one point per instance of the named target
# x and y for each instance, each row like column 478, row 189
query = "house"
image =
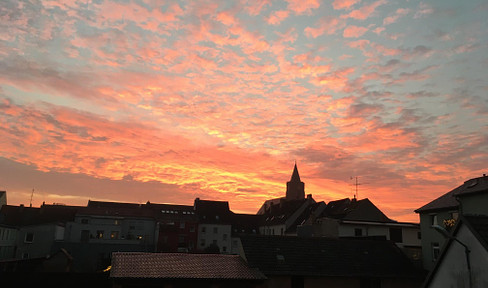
column 182, row 270
column 328, row 262
column 463, row 261
column 177, row 227
column 361, row 218
column 37, row 228
column 469, row 198
column 103, row 227
column 215, row 225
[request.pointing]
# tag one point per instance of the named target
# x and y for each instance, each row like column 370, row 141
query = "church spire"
column 295, row 177
column 295, row 188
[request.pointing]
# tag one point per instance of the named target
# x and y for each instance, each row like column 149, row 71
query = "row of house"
column 292, row 241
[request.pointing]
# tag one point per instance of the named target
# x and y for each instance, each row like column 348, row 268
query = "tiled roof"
column 181, row 266
column 322, row 257
column 448, row 200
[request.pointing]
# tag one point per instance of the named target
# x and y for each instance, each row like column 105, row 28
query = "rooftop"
column 181, row 266
column 448, row 200
column 320, row 256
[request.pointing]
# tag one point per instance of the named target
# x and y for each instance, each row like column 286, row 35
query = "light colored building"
column 464, row 258
column 8, row 241
column 469, row 198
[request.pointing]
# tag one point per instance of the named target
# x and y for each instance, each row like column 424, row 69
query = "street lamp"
column 447, row 235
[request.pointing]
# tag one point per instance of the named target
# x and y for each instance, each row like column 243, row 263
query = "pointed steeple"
column 295, row 188
column 295, row 177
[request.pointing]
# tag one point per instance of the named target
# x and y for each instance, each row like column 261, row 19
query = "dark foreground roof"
column 352, row 209
column 325, row 257
column 181, row 266
column 448, row 200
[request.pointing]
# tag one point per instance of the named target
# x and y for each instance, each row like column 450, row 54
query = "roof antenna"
column 32, row 194
column 356, row 195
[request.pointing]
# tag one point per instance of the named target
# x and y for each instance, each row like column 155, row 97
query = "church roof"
column 295, row 177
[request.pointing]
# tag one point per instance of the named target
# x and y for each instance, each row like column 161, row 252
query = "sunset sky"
column 165, row 101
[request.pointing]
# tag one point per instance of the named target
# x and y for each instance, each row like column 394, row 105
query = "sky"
column 166, row 101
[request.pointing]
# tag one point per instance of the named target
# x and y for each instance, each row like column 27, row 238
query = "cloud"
column 365, row 11
column 277, row 17
column 352, row 31
column 329, row 26
column 303, row 6
column 344, row 4
column 400, row 12
column 423, row 10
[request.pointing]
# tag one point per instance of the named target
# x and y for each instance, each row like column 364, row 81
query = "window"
column 204, row 229
column 435, row 251
column 214, row 242
column 202, row 242
column 224, row 249
column 85, row 235
column 192, row 228
column 182, row 225
column 99, row 234
column 433, row 219
column 281, row 231
column 181, row 239
column 396, row 235
column 29, row 238
column 216, row 230
column 114, row 235
column 358, row 232
column 419, row 235
column 224, row 237
column 84, row 221
column 25, row 255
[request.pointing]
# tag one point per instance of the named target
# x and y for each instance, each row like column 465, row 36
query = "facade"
column 469, row 198
column 455, row 267
column 215, row 226
column 8, row 241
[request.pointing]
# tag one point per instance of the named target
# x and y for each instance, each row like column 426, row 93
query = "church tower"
column 295, row 189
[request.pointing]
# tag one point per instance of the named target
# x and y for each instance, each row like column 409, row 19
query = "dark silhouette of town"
column 292, row 241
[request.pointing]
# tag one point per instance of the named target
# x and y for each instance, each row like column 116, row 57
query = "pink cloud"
column 277, row 17
column 364, row 12
column 344, row 4
column 327, row 26
column 254, row 7
column 394, row 18
column 303, row 6
column 352, row 31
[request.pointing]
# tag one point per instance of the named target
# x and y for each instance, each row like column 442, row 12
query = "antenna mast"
column 356, row 195
column 32, row 194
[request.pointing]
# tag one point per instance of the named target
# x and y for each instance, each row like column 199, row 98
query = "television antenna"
column 356, row 184
column 32, row 195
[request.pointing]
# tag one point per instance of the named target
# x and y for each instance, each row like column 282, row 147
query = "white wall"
column 453, row 272
column 219, row 234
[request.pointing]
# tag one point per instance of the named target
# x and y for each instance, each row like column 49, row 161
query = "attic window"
column 280, row 258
